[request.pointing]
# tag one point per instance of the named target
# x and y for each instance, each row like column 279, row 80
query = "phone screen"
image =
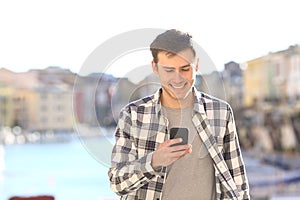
column 179, row 133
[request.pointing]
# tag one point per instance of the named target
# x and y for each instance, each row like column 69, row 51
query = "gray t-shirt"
column 191, row 177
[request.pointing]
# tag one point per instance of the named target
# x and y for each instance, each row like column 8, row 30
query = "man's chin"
column 180, row 96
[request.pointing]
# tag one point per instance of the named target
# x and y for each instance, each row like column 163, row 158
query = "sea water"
column 77, row 170
column 67, row 170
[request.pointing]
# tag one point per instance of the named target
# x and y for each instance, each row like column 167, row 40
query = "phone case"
column 179, row 133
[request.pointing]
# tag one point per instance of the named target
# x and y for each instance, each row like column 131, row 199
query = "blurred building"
column 233, row 81
column 148, row 86
column 124, row 91
column 52, row 109
column 103, row 100
column 84, row 100
column 24, row 108
column 6, row 105
column 37, row 99
column 212, row 84
column 16, row 96
column 92, row 96
column 274, row 77
column 256, row 79
column 271, row 94
column 55, row 98
column 293, row 77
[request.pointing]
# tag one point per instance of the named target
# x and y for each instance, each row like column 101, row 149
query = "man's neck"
column 178, row 103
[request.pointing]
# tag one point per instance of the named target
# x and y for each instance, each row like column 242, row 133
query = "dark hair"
column 172, row 41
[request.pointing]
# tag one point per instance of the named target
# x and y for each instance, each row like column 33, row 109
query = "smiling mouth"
column 178, row 86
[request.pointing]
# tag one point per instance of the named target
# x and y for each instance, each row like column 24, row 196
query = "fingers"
column 181, row 150
column 171, row 142
column 167, row 154
column 188, row 150
column 168, row 144
column 179, row 147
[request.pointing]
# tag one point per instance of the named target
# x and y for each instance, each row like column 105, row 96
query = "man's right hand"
column 167, row 154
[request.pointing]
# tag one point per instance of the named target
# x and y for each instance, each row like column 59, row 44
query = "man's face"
column 176, row 73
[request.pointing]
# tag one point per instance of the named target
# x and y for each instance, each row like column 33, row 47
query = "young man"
column 145, row 162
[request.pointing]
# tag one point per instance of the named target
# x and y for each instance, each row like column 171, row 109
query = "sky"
column 37, row 34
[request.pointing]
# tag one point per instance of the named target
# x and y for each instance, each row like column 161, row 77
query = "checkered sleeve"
column 233, row 157
column 128, row 172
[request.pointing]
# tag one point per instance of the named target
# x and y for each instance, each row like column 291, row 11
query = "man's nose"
column 178, row 76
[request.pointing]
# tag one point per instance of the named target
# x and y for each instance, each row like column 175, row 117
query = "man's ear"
column 197, row 65
column 154, row 67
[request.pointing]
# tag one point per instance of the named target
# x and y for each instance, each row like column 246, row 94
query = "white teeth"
column 178, row 87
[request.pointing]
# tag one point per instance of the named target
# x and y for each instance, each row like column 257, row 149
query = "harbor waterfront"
column 64, row 169
column 77, row 169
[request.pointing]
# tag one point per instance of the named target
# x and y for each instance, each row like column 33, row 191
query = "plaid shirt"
column 142, row 128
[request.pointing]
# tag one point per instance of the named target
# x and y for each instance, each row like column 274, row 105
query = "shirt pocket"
column 148, row 139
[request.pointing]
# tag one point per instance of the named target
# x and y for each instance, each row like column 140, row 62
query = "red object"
column 32, row 198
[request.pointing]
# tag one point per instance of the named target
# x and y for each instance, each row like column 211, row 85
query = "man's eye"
column 169, row 70
column 186, row 69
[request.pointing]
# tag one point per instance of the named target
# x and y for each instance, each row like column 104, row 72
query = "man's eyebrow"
column 167, row 67
column 170, row 67
column 187, row 65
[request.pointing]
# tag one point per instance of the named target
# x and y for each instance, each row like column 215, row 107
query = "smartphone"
column 179, row 133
